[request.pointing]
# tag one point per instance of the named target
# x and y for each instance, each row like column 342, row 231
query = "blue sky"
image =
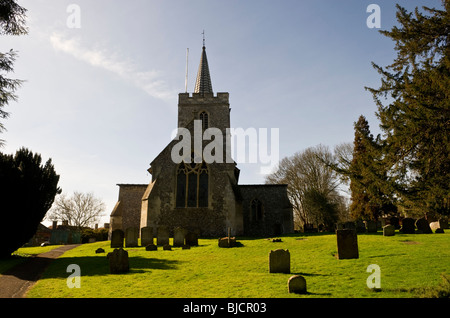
column 101, row 100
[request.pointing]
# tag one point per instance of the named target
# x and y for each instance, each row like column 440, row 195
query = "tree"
column 27, row 191
column 312, row 186
column 12, row 22
column 416, row 119
column 80, row 210
column 368, row 176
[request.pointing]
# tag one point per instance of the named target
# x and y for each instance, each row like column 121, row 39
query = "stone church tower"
column 203, row 196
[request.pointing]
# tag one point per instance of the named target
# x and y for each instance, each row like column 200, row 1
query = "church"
column 199, row 195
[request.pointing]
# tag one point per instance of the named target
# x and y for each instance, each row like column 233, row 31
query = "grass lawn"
column 409, row 263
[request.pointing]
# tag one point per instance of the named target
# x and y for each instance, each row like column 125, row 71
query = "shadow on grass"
column 99, row 266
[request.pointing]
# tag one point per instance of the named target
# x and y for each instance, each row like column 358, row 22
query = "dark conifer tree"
column 416, row 117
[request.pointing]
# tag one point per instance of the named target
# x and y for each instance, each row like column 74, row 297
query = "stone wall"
column 127, row 212
column 277, row 213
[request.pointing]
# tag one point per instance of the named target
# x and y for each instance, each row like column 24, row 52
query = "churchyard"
column 409, row 266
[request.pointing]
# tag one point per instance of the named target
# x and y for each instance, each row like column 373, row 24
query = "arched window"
column 192, row 185
column 256, row 208
column 205, row 120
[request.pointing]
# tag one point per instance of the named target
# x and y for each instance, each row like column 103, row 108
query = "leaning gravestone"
column 118, row 261
column 131, row 237
column 280, row 261
column 146, row 236
column 178, row 236
column 117, row 238
column 162, row 237
column 347, row 244
column 388, row 230
column 422, row 225
column 297, row 284
column 408, row 226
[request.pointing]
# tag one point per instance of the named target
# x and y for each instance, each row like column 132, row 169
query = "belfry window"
column 192, row 185
column 205, row 120
column 256, row 209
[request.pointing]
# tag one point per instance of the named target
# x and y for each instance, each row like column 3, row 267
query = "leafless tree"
column 80, row 210
column 313, row 187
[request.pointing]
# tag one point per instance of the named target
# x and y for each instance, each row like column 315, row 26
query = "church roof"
column 203, row 82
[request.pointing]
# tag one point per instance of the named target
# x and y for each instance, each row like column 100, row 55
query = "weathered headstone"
column 422, row 225
column 371, row 226
column 389, row 230
column 440, row 224
column 162, row 237
column 167, row 247
column 347, row 244
column 146, row 236
column 227, row 242
column 178, row 236
column 191, row 239
column 297, row 284
column 280, row 261
column 118, row 261
column 408, row 226
column 117, row 238
column 99, row 250
column 131, row 237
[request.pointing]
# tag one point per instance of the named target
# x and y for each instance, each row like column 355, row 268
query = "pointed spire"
column 203, row 82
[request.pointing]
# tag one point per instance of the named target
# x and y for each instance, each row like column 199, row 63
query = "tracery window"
column 256, row 208
column 192, row 185
column 205, row 120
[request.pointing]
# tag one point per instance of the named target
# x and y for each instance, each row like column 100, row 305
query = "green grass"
column 410, row 264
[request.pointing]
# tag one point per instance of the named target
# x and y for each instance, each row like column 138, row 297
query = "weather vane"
column 203, row 37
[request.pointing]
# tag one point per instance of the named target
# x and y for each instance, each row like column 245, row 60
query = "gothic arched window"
column 256, row 208
column 205, row 120
column 192, row 185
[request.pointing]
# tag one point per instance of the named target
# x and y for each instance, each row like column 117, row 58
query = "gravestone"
column 388, row 230
column 191, row 239
column 118, row 261
column 395, row 221
column 227, row 242
column 280, row 261
column 371, row 226
column 167, row 247
column 131, row 237
column 151, row 247
column 162, row 237
column 360, row 226
column 178, row 236
column 347, row 244
column 422, row 225
column 297, row 284
column 408, row 226
column 146, row 236
column 440, row 224
column 117, row 238
column 99, row 250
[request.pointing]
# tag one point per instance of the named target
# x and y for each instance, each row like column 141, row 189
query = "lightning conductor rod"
column 186, row 80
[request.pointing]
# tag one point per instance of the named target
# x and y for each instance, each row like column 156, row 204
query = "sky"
column 102, row 78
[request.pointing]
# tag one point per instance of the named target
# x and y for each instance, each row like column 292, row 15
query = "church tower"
column 197, row 194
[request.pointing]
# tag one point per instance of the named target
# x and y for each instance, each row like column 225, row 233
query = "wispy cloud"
column 149, row 81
